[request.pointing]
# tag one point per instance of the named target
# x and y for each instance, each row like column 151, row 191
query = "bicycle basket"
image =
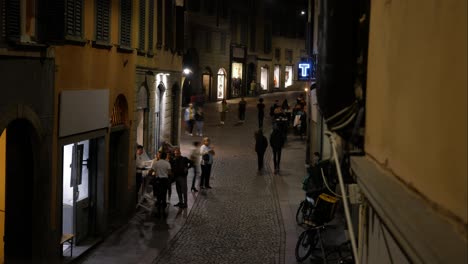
column 325, row 208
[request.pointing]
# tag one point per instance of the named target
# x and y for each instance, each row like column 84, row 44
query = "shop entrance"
column 79, row 185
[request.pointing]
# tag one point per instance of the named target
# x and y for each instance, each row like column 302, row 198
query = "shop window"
column 125, row 38
column 74, row 19
column 103, row 21
column 142, row 26
column 288, row 76
column 276, row 76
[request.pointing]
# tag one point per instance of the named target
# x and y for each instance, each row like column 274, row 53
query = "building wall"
column 416, row 121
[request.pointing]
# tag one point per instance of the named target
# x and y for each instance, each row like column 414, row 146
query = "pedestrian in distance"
column 207, row 152
column 261, row 112
column 162, row 169
column 242, row 108
column 180, row 166
column 189, row 118
column 261, row 145
column 195, row 158
column 199, row 121
column 222, row 109
column 276, row 143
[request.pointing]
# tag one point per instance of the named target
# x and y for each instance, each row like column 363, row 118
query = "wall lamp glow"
column 186, row 71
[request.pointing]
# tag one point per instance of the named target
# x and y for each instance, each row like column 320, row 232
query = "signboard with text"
column 305, row 70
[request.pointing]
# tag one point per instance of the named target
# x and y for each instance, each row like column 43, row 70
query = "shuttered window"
column 142, row 26
column 125, row 38
column 150, row 25
column 103, row 20
column 168, row 32
column 74, row 18
column 159, row 35
column 12, row 19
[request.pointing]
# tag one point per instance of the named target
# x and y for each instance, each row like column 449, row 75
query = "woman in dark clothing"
column 261, row 145
column 261, row 112
column 276, row 143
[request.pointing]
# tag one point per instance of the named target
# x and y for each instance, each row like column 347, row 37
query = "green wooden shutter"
column 159, row 35
column 103, row 20
column 125, row 23
column 13, row 20
column 74, row 18
column 142, row 26
column 150, row 25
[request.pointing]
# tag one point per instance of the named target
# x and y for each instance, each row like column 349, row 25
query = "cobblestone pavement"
column 247, row 217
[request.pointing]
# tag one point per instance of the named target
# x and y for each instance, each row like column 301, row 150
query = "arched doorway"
column 251, row 76
column 19, row 142
column 221, row 84
column 118, row 157
column 206, row 85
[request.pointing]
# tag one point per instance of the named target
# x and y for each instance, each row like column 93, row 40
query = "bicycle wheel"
column 305, row 244
column 300, row 214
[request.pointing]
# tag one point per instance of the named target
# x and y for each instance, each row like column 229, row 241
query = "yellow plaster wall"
column 2, row 191
column 416, row 121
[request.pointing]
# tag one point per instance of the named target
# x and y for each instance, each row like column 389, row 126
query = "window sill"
column 75, row 40
column 141, row 52
column 102, row 44
column 150, row 54
column 125, row 49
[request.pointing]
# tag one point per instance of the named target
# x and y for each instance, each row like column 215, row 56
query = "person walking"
column 199, row 121
column 276, row 143
column 222, row 109
column 140, row 159
column 261, row 145
column 180, row 166
column 207, row 153
column 242, row 108
column 195, row 158
column 189, row 118
column 261, row 112
column 162, row 170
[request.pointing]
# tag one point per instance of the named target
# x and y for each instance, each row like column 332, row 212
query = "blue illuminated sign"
column 304, row 70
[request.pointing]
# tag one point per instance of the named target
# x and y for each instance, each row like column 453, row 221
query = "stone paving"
column 247, row 217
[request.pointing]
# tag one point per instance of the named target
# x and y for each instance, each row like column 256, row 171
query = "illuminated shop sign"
column 304, row 71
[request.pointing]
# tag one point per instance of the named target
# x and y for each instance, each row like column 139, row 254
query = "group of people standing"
column 169, row 166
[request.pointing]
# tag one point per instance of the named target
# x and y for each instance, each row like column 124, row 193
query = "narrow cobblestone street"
column 247, row 217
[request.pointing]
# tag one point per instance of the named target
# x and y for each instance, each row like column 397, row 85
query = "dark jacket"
column 276, row 139
column 261, row 144
column 180, row 166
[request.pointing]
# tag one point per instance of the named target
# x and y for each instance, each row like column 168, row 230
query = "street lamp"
column 187, row 71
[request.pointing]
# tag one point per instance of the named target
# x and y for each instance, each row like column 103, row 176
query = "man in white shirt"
column 207, row 153
column 162, row 170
